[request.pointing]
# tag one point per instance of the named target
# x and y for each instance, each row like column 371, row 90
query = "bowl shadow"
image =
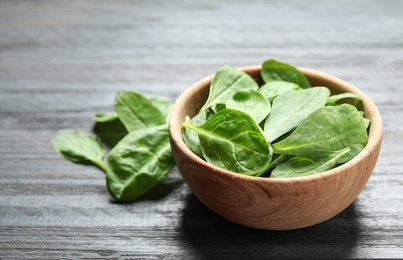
column 209, row 235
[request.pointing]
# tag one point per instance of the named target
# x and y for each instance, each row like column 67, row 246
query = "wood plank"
column 62, row 61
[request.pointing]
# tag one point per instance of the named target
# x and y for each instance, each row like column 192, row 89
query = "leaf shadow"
column 208, row 235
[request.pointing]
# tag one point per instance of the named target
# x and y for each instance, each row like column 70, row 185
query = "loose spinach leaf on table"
column 110, row 131
column 225, row 83
column 303, row 166
column 290, row 108
column 141, row 155
column 110, row 128
column 79, row 147
column 139, row 162
column 329, row 128
column 232, row 140
column 272, row 89
column 251, row 102
column 163, row 104
column 273, row 70
column 136, row 111
column 105, row 117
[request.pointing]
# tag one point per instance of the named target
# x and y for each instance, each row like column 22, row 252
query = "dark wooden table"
column 61, row 61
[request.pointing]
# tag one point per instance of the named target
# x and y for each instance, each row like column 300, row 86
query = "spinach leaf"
column 110, row 131
column 232, row 140
column 217, row 108
column 225, row 83
column 367, row 122
column 190, row 137
column 136, row 111
column 105, row 117
column 329, row 128
column 290, row 108
column 302, row 166
column 110, row 128
column 272, row 89
column 79, row 147
column 163, row 104
column 273, row 70
column 139, row 162
column 338, row 97
column 346, row 98
column 250, row 102
column 276, row 160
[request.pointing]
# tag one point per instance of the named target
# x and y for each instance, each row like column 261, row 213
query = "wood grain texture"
column 61, row 61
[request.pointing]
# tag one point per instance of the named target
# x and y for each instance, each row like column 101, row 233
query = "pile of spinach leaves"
column 137, row 132
column 283, row 128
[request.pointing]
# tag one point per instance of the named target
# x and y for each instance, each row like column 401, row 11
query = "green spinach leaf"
column 338, row 97
column 217, row 108
column 232, row 140
column 276, row 160
column 272, row 89
column 329, row 128
column 367, row 122
column 302, row 166
column 105, row 117
column 139, row 162
column 250, row 102
column 225, row 83
column 163, row 104
column 110, row 131
column 79, row 147
column 290, row 108
column 273, row 70
column 136, row 111
column 190, row 137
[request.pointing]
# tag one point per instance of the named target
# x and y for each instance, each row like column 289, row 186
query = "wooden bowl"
column 270, row 203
